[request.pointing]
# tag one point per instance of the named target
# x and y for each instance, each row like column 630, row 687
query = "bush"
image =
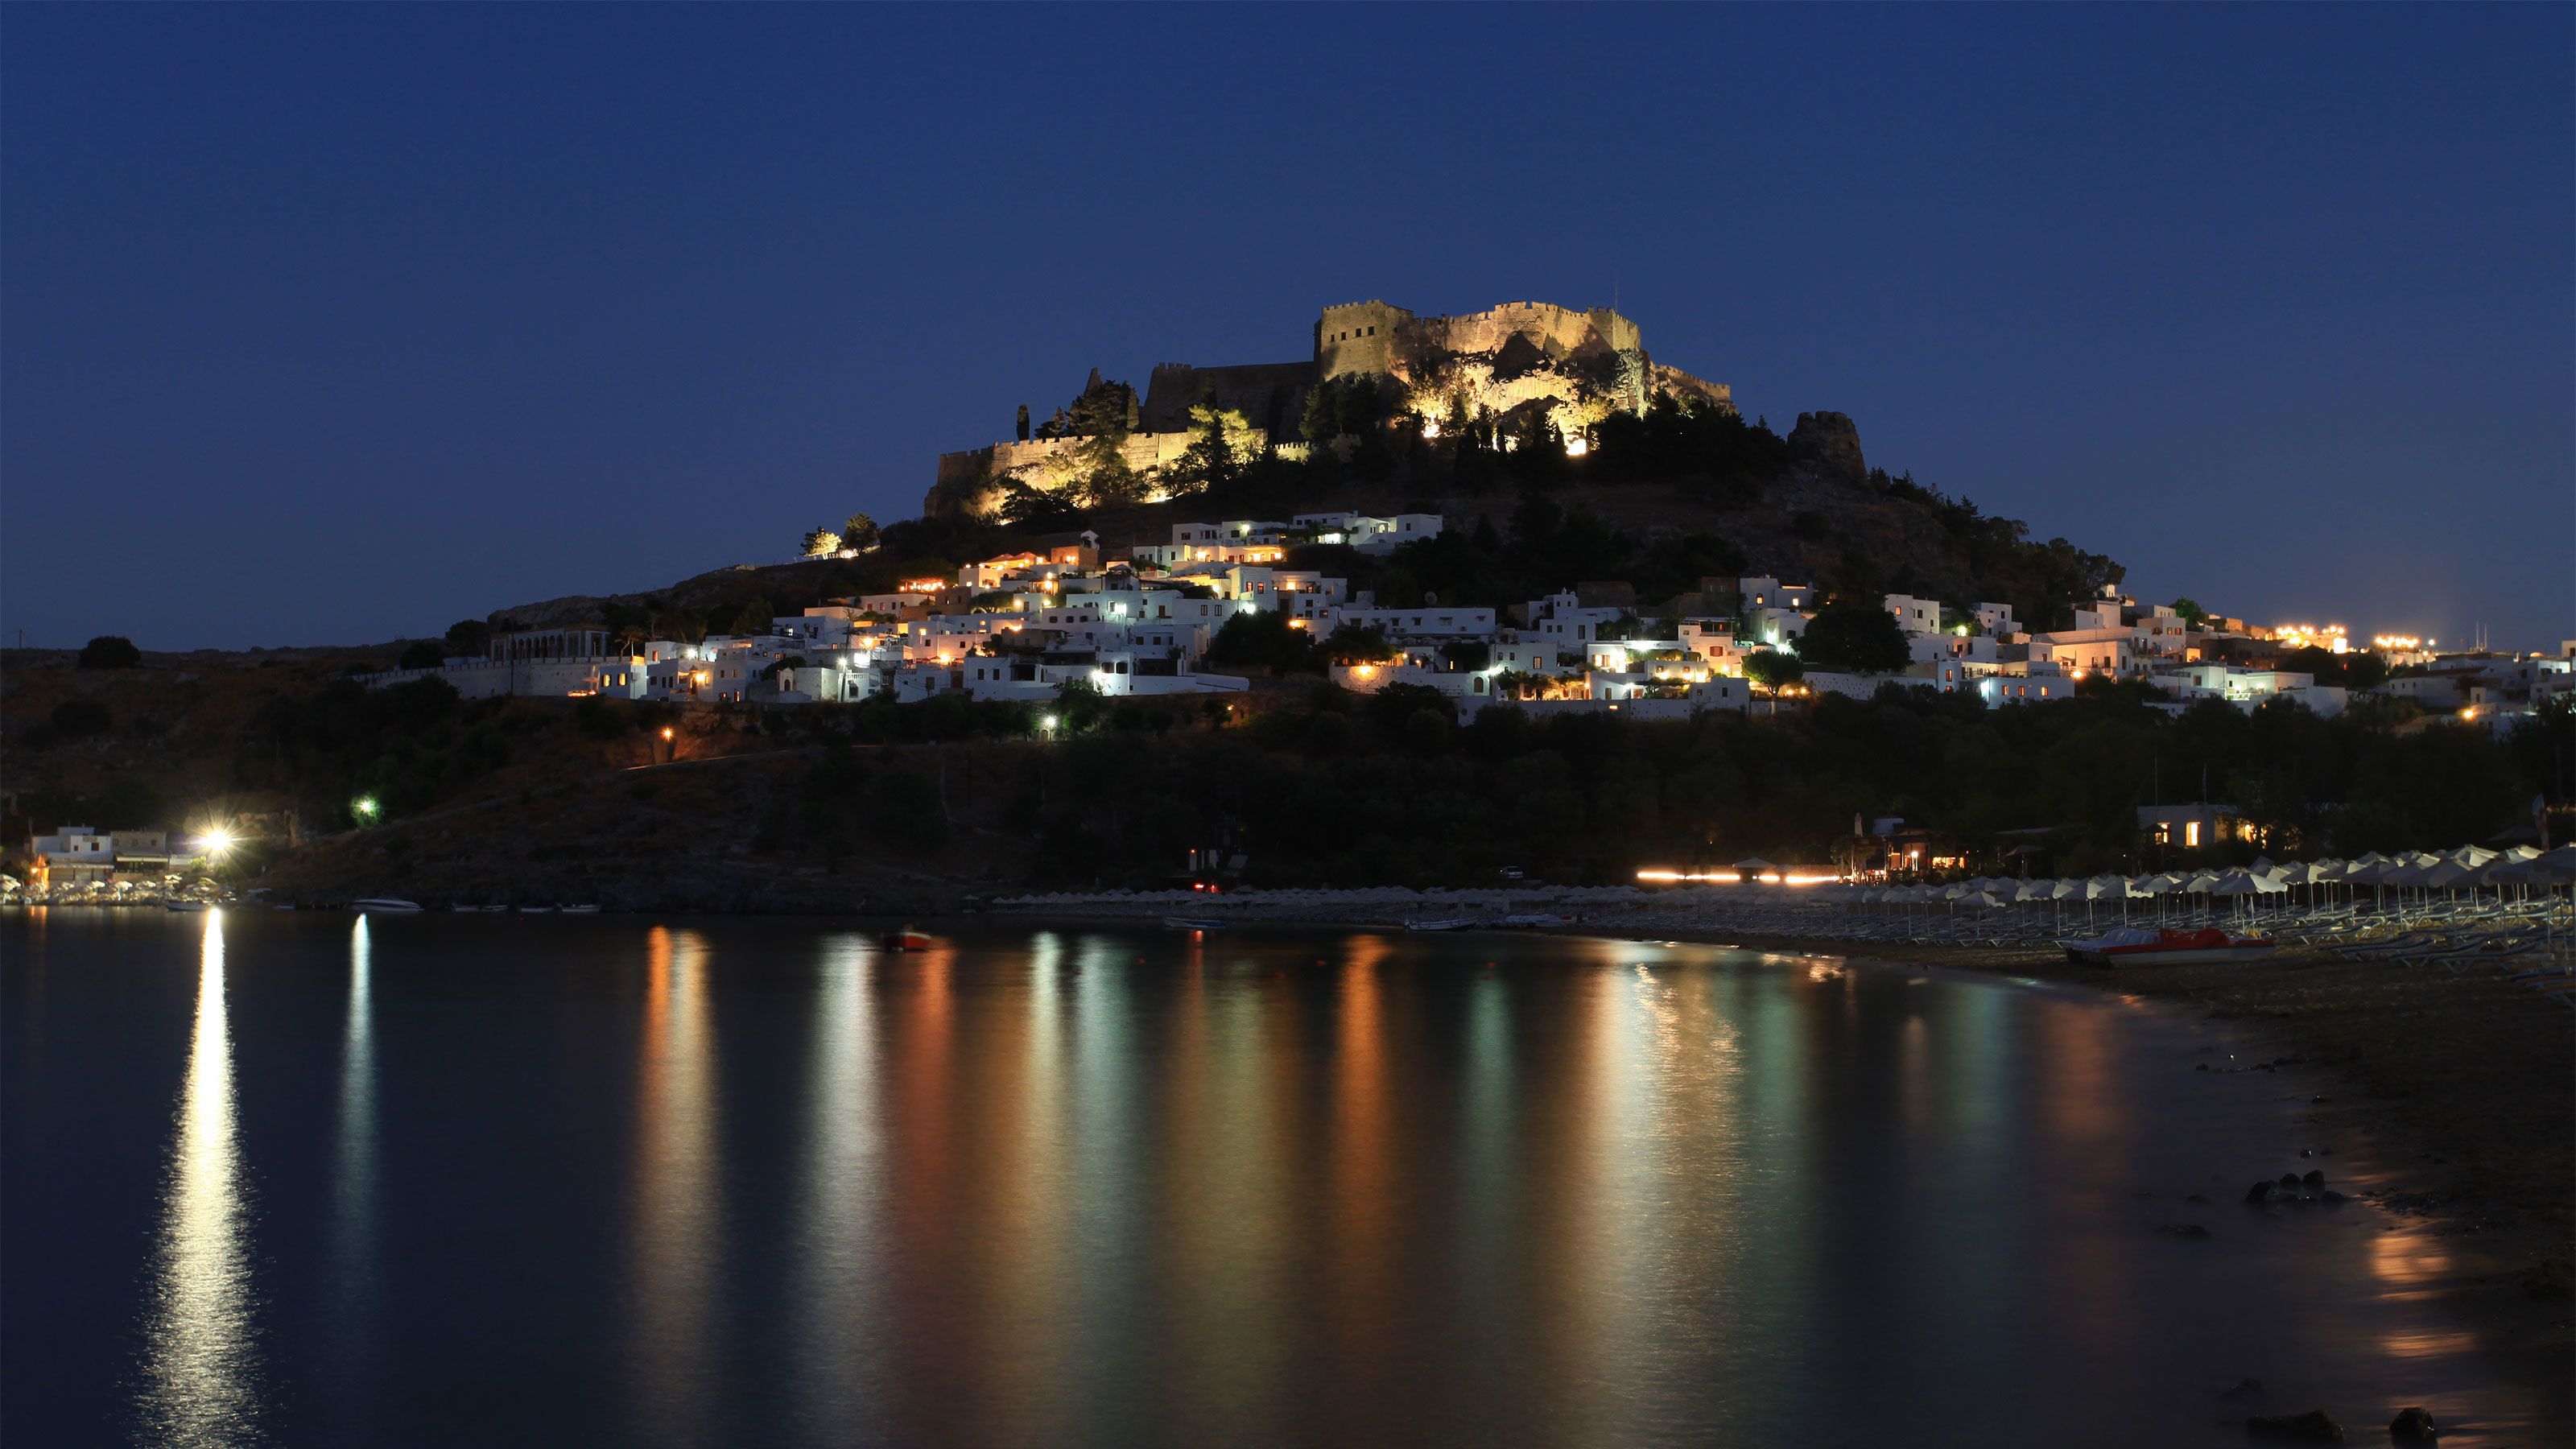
column 110, row 651
column 423, row 655
column 1262, row 639
column 78, row 719
column 1771, row 668
column 601, row 718
column 1855, row 636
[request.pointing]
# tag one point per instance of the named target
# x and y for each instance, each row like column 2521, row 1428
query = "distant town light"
column 666, row 732
column 365, row 808
column 1047, row 722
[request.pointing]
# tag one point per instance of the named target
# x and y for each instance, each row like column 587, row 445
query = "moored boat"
column 187, row 907
column 1441, row 923
column 2145, row 946
column 906, row 939
column 581, row 910
column 1192, row 923
column 386, row 905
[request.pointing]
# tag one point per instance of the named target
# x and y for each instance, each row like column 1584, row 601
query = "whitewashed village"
column 1029, row 625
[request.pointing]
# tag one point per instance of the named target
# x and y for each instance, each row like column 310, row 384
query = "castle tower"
column 1357, row 337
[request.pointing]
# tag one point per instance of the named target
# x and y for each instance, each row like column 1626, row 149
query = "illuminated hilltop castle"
column 1518, row 360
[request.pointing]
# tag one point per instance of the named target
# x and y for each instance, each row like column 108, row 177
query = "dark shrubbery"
column 1385, row 788
column 80, row 719
column 110, row 651
column 1857, row 636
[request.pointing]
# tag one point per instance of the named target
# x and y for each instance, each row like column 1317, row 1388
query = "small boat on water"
column 2147, row 946
column 1192, row 923
column 386, row 905
column 1534, row 920
column 536, row 910
column 581, row 910
column 183, row 907
column 906, row 939
column 1442, row 923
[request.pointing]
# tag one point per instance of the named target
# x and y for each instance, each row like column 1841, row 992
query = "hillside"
column 1660, row 505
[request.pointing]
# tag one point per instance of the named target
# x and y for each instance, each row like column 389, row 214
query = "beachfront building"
column 79, row 855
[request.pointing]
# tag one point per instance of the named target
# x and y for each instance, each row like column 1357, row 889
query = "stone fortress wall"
column 1350, row 339
column 1356, row 337
column 1560, row 332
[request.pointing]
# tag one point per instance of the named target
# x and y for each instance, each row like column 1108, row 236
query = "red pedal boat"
column 906, row 939
column 2143, row 946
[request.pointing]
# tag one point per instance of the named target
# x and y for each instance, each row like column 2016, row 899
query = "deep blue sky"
column 333, row 324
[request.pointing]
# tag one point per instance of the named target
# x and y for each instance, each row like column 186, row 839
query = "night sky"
column 330, row 325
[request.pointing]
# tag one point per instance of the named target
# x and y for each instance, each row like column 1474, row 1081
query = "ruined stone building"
column 1574, row 366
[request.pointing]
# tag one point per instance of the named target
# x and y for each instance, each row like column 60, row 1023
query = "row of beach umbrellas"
column 2469, row 868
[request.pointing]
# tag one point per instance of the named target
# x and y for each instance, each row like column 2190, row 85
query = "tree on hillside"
column 1221, row 447
column 1108, row 481
column 1025, row 506
column 424, row 654
column 469, row 636
column 1855, row 636
column 822, row 543
column 1320, row 419
column 1351, row 644
column 755, row 617
column 1261, row 639
column 110, row 651
column 2190, row 612
column 1101, row 407
column 1772, row 668
column 859, row 532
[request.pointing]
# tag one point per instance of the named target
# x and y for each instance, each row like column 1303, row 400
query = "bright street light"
column 365, row 808
column 216, row 842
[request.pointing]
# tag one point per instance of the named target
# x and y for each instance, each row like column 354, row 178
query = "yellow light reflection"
column 678, row 1242
column 842, row 1198
column 200, row 1368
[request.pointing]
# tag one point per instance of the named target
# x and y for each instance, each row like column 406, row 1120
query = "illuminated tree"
column 822, row 543
column 1221, row 446
column 1771, row 668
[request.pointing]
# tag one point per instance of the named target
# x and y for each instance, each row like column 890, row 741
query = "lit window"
column 2191, row 832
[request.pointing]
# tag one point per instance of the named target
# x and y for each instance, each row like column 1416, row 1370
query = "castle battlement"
column 1507, row 359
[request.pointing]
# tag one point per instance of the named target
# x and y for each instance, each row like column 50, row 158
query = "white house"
column 1915, row 616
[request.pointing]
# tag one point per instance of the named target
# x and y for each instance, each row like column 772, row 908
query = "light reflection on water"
column 354, row 1247
column 678, row 1242
column 1053, row 1187
column 841, row 1194
column 200, row 1364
